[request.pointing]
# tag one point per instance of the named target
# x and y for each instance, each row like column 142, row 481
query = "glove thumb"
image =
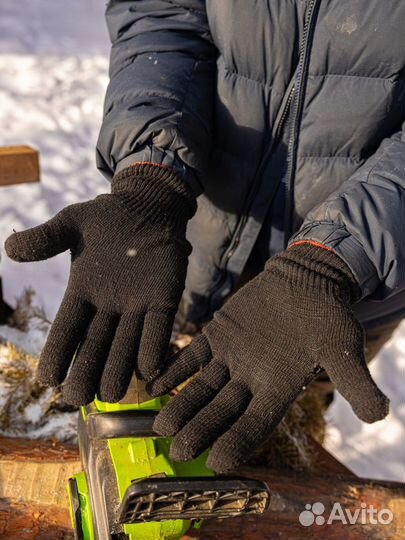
column 41, row 242
column 348, row 370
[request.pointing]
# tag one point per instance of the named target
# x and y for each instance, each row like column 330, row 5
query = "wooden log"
column 291, row 492
column 18, row 164
column 33, row 522
column 36, row 471
column 34, row 506
column 33, row 497
column 38, row 451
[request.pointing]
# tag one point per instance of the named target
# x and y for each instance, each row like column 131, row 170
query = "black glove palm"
column 129, row 261
column 259, row 351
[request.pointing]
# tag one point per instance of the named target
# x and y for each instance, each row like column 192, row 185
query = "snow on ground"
column 374, row 450
column 53, row 65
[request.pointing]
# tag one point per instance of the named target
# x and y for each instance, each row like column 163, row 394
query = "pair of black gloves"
column 129, row 260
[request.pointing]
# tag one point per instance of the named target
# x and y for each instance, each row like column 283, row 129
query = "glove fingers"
column 121, row 361
column 251, row 430
column 84, row 376
column 66, row 332
column 211, row 422
column 351, row 376
column 41, row 242
column 154, row 346
column 196, row 395
column 181, row 366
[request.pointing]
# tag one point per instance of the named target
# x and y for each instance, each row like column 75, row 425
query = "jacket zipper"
column 286, row 111
column 297, row 105
column 244, row 214
column 312, row 8
column 256, row 182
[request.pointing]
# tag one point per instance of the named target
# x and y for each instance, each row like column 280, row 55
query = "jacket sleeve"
column 364, row 221
column 159, row 102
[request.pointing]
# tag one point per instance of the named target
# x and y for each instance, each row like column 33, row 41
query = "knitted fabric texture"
column 258, row 353
column 128, row 265
column 146, row 188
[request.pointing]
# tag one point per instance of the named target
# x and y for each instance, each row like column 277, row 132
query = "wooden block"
column 18, row 164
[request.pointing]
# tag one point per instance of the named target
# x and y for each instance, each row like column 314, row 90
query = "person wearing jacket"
column 269, row 136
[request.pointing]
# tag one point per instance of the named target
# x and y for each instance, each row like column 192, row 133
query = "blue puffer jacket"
column 287, row 117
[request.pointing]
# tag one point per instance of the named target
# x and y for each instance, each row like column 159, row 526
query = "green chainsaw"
column 129, row 488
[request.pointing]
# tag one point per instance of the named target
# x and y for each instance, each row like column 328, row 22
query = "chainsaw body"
column 129, row 488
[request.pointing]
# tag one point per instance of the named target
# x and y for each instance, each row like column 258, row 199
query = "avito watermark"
column 315, row 514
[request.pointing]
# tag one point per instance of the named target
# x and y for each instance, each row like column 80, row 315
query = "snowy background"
column 53, row 75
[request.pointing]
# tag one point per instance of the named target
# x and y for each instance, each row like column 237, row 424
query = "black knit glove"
column 259, row 351
column 129, row 261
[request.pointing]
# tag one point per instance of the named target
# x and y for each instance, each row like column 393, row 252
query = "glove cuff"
column 156, row 192
column 307, row 265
